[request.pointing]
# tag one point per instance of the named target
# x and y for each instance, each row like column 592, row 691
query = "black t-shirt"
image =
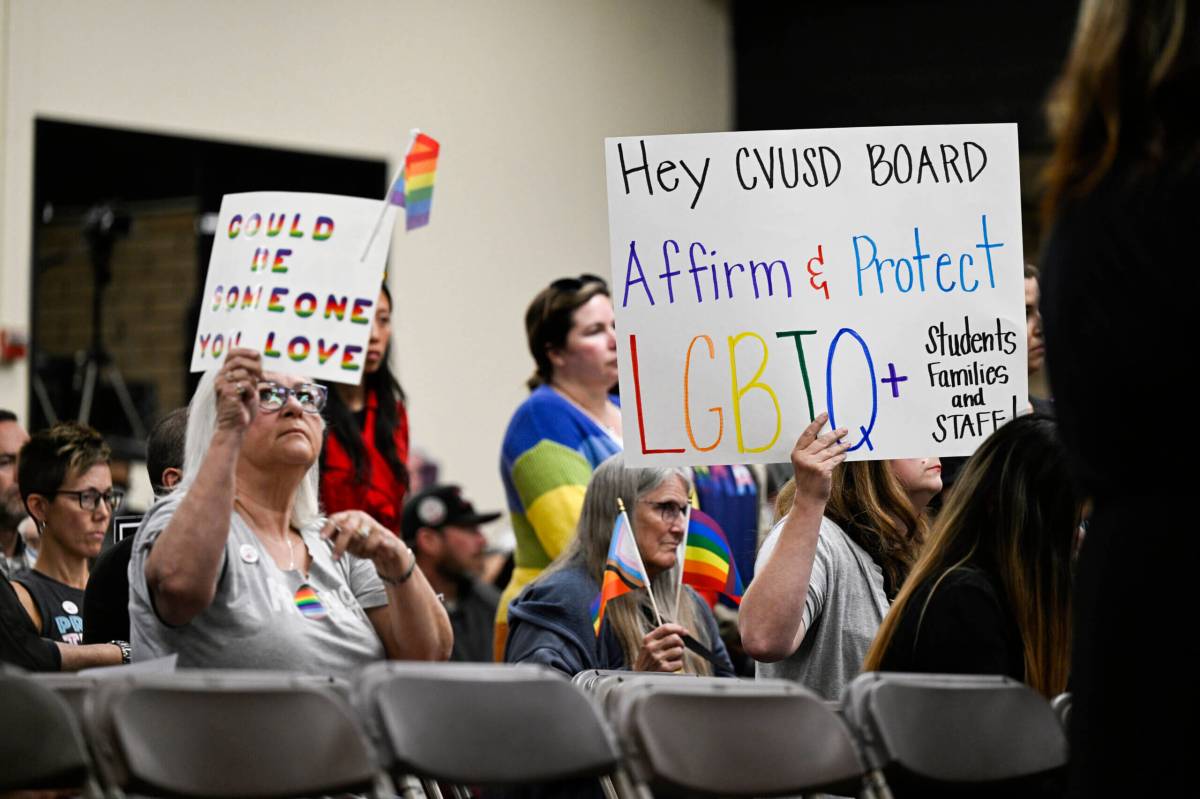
column 19, row 641
column 966, row 628
column 60, row 605
column 473, row 618
column 106, row 599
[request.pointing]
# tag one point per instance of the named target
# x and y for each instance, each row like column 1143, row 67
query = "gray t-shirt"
column 262, row 617
column 845, row 605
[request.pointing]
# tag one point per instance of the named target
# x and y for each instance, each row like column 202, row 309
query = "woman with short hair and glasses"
column 237, row 569
column 66, row 485
column 551, row 623
column 570, row 422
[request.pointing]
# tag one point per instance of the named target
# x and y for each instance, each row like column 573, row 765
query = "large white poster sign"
column 762, row 278
column 286, row 279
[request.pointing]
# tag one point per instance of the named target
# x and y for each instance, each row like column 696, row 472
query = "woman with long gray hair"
column 551, row 621
column 237, row 569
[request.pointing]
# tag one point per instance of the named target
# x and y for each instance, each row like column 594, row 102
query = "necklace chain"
column 287, row 537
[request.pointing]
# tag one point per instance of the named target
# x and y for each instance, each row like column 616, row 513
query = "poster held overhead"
column 285, row 279
column 761, row 278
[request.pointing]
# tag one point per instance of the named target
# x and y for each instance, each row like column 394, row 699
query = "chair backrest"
column 227, row 734
column 734, row 738
column 927, row 730
column 485, row 724
column 70, row 687
column 605, row 690
column 40, row 742
column 587, row 679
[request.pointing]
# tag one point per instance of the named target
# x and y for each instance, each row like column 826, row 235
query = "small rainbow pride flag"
column 622, row 573
column 708, row 564
column 413, row 189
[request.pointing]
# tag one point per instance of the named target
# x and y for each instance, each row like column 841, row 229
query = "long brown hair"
column 869, row 504
column 1126, row 97
column 628, row 614
column 1013, row 512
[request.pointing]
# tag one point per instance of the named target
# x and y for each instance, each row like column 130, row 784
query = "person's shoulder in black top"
column 20, row 644
column 106, row 598
column 965, row 627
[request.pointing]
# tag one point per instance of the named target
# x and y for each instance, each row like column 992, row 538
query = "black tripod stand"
column 102, row 225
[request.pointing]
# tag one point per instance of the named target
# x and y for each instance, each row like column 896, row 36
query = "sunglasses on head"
column 575, row 283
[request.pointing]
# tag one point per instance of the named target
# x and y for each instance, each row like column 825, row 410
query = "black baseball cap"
column 437, row 507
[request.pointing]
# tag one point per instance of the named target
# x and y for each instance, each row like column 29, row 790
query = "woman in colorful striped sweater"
column 569, row 424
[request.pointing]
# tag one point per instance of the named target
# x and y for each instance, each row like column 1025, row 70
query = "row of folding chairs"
column 892, row 735
column 430, row 729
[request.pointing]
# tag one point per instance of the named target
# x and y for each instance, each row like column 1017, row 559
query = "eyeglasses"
column 575, row 283
column 272, row 396
column 669, row 511
column 89, row 499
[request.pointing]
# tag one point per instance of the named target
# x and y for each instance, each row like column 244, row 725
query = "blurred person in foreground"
column 237, row 569
column 551, row 622
column 442, row 528
column 1118, row 286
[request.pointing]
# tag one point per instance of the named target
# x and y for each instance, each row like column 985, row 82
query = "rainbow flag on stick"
column 623, row 572
column 708, row 564
column 413, row 188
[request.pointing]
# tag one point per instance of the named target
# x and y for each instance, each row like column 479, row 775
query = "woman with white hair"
column 551, row 622
column 237, row 569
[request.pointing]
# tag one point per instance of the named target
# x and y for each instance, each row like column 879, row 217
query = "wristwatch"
column 125, row 651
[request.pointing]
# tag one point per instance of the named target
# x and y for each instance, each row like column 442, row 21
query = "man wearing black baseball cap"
column 443, row 530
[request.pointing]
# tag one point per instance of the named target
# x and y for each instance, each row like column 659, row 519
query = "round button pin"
column 249, row 553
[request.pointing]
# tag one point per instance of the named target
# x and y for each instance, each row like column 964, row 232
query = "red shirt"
column 381, row 495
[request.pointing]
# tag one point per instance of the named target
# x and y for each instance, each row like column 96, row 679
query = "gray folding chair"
column 711, row 737
column 227, row 734
column 41, row 747
column 70, row 687
column 1061, row 705
column 943, row 735
column 484, row 725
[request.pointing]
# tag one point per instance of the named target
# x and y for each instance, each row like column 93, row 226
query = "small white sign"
column 286, row 279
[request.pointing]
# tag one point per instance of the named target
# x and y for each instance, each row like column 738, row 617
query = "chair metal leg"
column 875, row 785
column 412, row 788
column 383, row 788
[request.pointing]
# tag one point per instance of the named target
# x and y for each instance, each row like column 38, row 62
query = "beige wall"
column 521, row 95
